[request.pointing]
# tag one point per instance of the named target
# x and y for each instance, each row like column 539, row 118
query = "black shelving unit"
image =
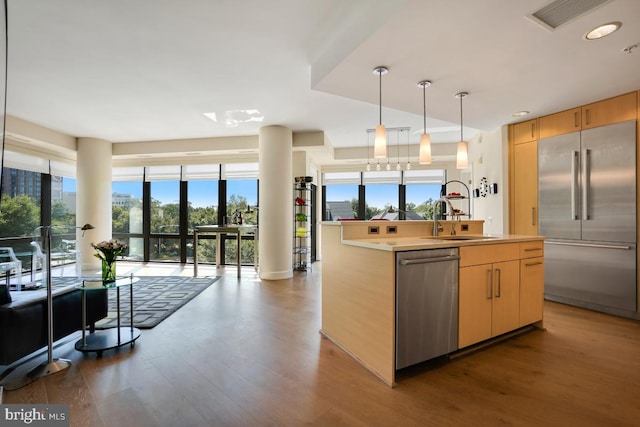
column 302, row 215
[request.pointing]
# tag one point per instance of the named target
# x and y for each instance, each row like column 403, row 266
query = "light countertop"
column 397, row 244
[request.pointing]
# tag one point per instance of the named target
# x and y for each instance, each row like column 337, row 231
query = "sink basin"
column 449, row 237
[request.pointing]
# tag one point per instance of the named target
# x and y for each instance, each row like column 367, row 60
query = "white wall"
column 488, row 155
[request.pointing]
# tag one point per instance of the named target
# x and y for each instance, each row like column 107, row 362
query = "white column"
column 276, row 202
column 93, row 204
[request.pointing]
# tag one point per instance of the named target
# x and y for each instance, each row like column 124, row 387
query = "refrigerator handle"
column 574, row 184
column 586, row 174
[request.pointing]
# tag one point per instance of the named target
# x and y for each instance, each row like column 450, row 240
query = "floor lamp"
column 51, row 366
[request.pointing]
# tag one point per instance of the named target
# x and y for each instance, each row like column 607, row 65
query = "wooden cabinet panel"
column 560, row 123
column 525, row 131
column 474, row 304
column 532, row 249
column 506, row 297
column 531, row 290
column 502, row 295
column 487, row 254
column 613, row 110
column 525, row 191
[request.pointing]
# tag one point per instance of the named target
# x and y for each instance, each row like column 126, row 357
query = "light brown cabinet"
column 525, row 131
column 613, row 110
column 531, row 282
column 525, row 189
column 489, row 292
column 560, row 123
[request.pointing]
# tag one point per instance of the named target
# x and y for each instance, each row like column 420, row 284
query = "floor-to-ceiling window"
column 164, row 239
column 38, row 192
column 202, row 207
column 126, row 208
column 242, row 198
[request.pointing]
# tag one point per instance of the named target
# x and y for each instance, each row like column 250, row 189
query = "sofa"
column 23, row 320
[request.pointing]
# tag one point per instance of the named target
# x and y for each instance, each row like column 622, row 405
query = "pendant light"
column 425, row 139
column 380, row 145
column 462, row 156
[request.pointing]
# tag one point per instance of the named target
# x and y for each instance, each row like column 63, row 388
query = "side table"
column 110, row 338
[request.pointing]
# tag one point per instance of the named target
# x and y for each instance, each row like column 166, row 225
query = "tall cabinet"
column 524, row 177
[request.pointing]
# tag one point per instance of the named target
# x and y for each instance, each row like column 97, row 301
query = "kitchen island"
column 501, row 284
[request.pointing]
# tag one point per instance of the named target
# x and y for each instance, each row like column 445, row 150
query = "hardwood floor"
column 248, row 353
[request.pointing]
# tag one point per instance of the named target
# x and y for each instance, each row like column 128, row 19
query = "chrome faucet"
column 437, row 229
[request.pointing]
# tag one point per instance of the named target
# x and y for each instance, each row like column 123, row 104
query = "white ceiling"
column 144, row 70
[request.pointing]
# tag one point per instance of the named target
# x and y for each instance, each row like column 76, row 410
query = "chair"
column 37, row 255
column 66, row 251
column 8, row 262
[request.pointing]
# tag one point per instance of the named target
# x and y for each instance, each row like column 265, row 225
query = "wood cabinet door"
column 531, row 290
column 474, row 304
column 506, row 297
column 612, row 110
column 560, row 123
column 525, row 131
column 525, row 192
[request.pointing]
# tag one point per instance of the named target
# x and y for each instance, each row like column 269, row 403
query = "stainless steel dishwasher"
column 426, row 305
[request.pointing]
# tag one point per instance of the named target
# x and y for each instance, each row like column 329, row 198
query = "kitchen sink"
column 449, row 237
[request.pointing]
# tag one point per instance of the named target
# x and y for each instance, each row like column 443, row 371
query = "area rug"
column 154, row 299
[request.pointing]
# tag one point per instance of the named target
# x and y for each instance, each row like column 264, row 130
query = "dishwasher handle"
column 429, row 260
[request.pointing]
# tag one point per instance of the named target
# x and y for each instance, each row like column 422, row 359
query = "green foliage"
column 61, row 215
column 424, row 209
column 120, row 219
column 19, row 216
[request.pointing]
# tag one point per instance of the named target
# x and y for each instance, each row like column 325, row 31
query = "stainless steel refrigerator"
column 587, row 211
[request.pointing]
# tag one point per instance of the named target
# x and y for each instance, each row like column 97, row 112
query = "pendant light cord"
column 380, row 94
column 461, row 135
column 424, row 105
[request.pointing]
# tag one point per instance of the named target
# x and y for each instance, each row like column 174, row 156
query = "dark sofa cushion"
column 5, row 295
column 23, row 321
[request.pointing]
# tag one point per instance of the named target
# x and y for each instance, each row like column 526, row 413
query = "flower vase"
column 108, row 271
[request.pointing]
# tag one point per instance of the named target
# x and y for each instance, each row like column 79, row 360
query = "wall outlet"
column 374, row 230
column 392, row 229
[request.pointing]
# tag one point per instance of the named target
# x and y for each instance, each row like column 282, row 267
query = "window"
column 422, row 190
column 202, row 210
column 381, row 193
column 21, row 200
column 164, row 243
column 341, row 195
column 242, row 198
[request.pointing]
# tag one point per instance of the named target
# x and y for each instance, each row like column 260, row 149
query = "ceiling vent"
column 559, row 12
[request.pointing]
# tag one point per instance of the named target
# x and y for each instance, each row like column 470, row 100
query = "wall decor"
column 484, row 186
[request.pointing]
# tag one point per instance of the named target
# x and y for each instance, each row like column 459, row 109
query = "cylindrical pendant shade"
column 425, row 149
column 462, row 157
column 380, row 146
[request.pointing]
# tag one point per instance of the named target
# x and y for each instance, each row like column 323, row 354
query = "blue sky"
column 201, row 193
column 379, row 195
column 205, row 193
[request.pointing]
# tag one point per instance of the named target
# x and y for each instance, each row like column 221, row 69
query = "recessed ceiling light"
column 603, row 30
column 520, row 113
